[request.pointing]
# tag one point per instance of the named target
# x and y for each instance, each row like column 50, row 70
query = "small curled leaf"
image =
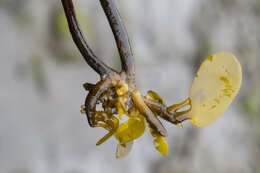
column 155, row 97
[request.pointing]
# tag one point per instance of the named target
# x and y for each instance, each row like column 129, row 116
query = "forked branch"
column 115, row 91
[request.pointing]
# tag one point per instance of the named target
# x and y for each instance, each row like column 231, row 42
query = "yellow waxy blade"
column 124, row 149
column 130, row 130
column 159, row 143
column 215, row 86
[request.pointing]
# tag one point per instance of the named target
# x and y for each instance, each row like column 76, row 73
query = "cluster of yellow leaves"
column 215, row 86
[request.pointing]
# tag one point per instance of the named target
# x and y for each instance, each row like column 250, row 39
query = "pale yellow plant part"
column 215, row 86
column 128, row 131
column 159, row 142
column 123, row 150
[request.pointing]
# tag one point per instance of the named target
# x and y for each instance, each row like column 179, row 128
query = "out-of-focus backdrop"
column 42, row 72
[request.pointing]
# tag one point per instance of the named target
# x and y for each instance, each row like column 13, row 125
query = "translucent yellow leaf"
column 123, row 150
column 159, row 143
column 214, row 87
column 130, row 130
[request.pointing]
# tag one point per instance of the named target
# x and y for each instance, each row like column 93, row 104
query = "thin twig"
column 121, row 37
column 100, row 67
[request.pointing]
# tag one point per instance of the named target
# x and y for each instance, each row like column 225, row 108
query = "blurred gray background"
column 42, row 72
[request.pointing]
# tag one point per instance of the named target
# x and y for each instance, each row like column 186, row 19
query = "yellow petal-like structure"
column 159, row 143
column 214, row 87
column 132, row 129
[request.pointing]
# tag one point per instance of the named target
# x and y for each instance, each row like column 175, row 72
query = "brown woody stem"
column 161, row 110
column 121, row 37
column 100, row 67
column 150, row 117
